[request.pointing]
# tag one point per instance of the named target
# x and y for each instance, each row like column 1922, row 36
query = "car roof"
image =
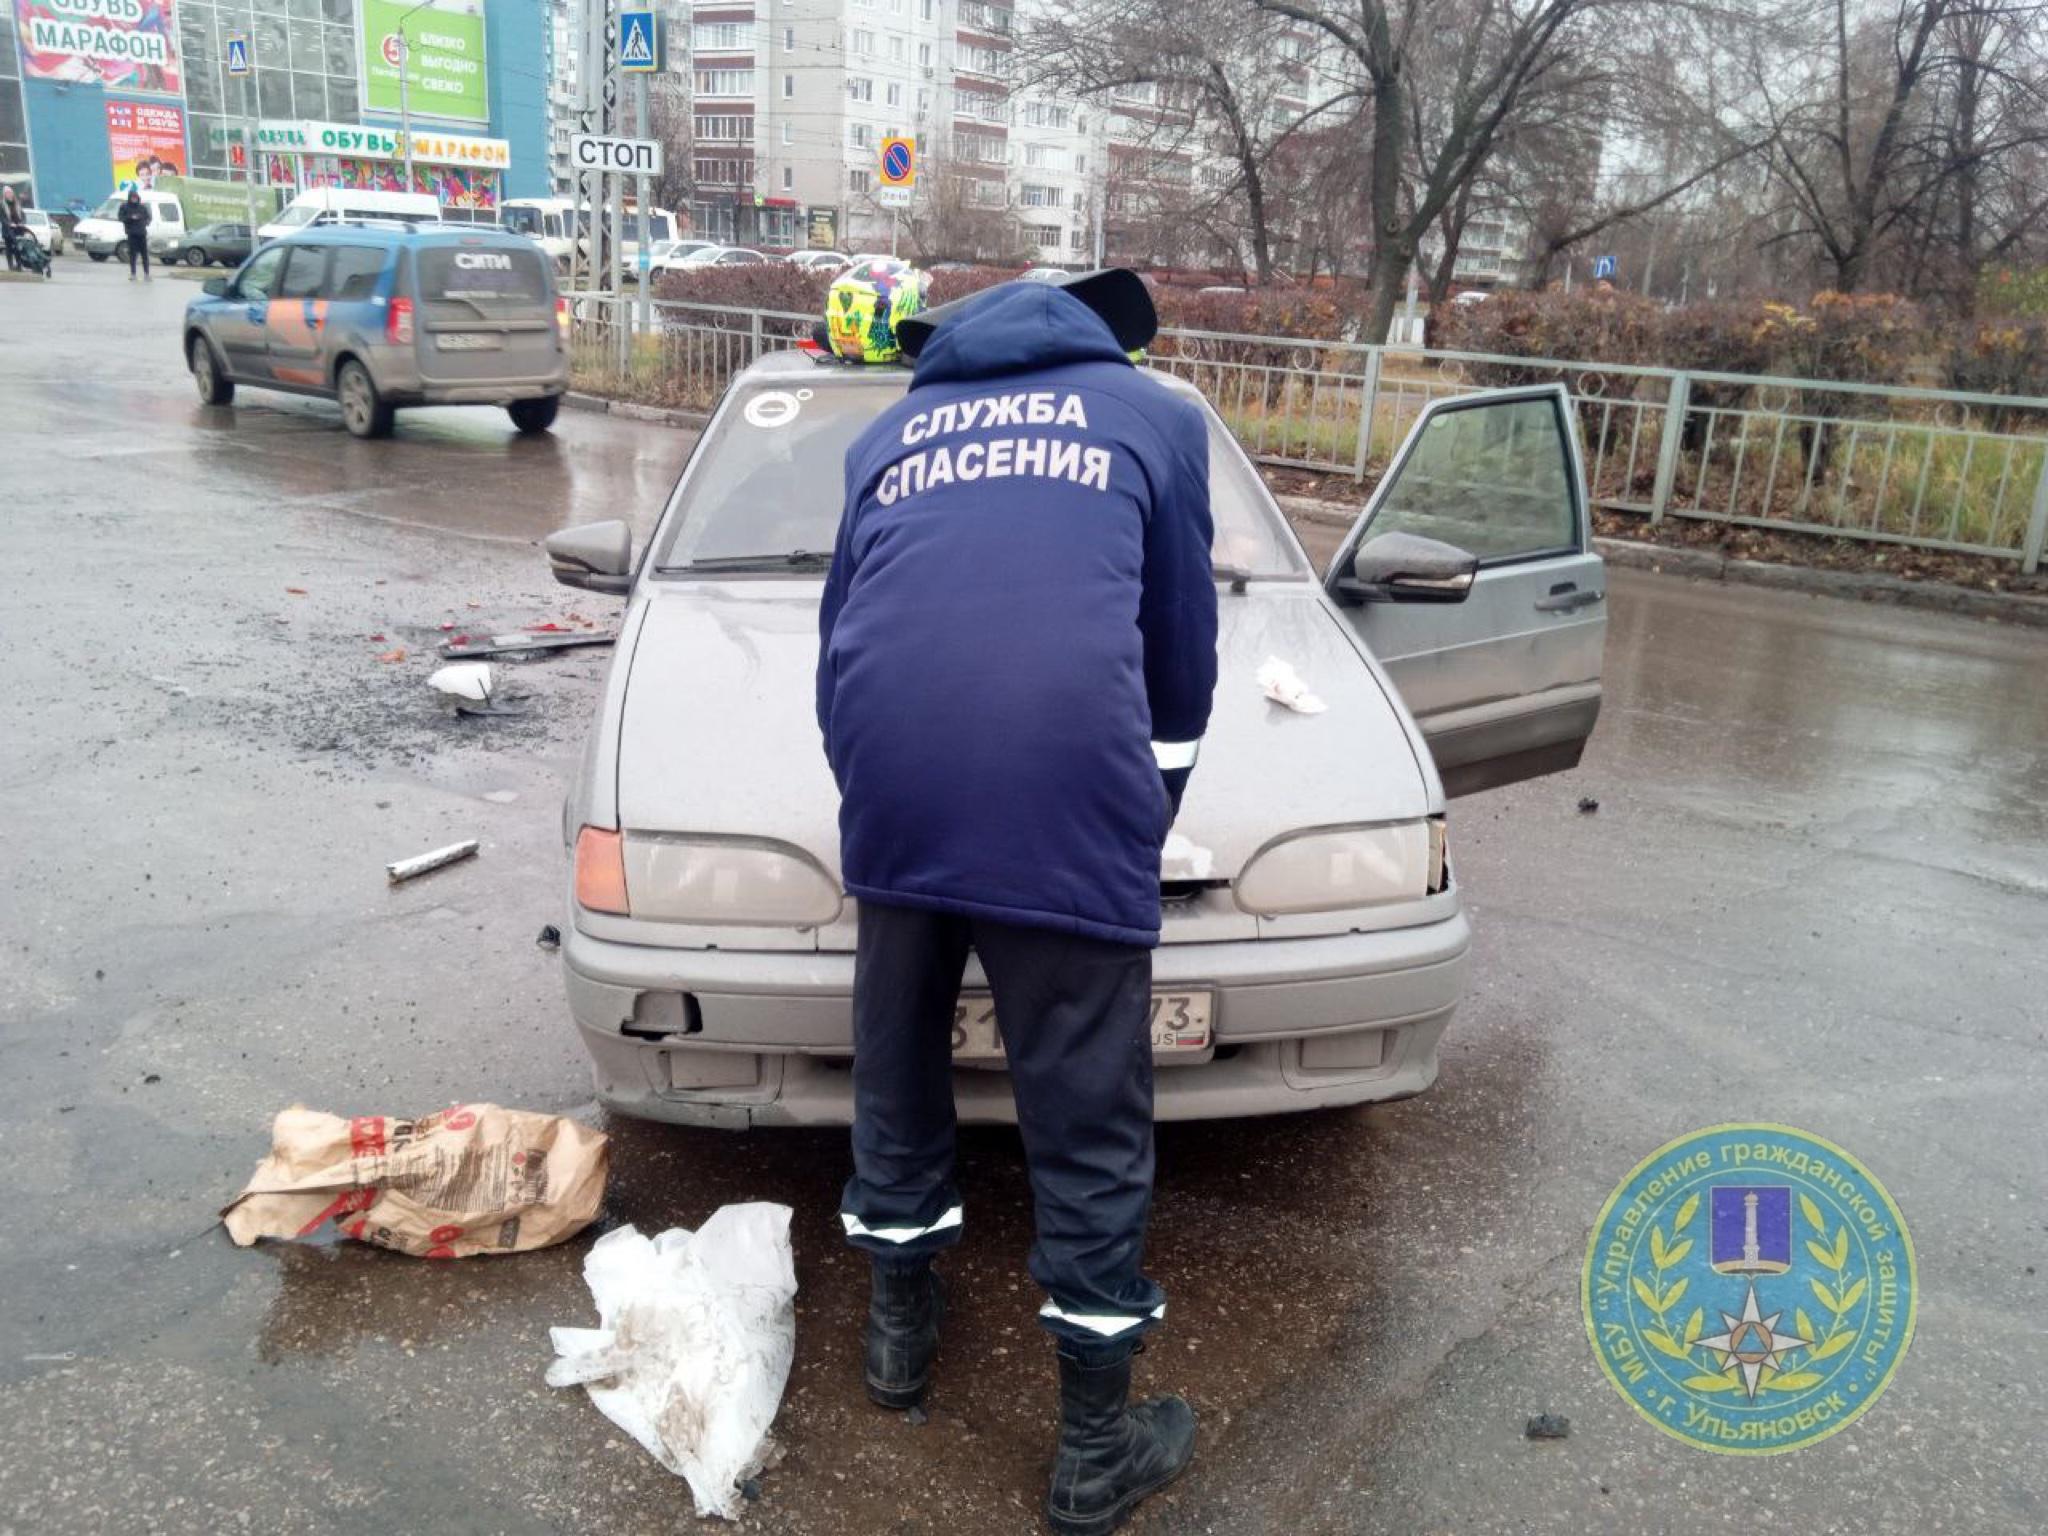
column 785, row 365
column 356, row 232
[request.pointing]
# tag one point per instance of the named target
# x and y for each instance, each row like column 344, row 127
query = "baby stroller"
column 28, row 250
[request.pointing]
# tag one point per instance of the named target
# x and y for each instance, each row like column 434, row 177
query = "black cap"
column 1117, row 294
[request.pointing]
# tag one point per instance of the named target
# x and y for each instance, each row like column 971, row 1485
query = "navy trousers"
column 1074, row 1013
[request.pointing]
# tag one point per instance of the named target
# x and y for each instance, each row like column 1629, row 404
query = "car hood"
column 719, row 734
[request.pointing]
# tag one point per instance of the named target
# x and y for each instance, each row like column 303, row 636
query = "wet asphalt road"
column 1814, row 893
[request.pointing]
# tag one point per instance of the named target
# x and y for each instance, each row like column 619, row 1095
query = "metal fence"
column 1933, row 469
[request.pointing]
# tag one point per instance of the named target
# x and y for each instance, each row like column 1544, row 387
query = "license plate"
column 1180, row 1022
column 469, row 341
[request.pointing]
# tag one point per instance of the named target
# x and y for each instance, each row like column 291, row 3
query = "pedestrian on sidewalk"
column 1015, row 672
column 12, row 223
column 135, row 220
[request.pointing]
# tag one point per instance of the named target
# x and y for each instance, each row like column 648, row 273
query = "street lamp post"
column 404, row 87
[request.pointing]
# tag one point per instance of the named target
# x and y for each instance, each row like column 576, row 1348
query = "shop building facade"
column 109, row 93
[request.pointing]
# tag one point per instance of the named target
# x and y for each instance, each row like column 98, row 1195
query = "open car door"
column 1500, row 666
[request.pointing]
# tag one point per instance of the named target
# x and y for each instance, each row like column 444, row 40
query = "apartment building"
column 782, row 106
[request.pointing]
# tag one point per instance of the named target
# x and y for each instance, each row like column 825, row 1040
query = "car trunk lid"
column 486, row 312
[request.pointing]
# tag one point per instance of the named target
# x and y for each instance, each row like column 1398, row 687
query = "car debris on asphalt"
column 1547, row 1426
column 468, row 1179
column 693, row 1345
column 471, row 680
column 524, row 642
column 403, row 870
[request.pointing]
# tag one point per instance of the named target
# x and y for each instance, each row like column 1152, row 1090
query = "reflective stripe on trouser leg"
column 900, row 1203
column 1170, row 755
column 1074, row 1013
column 900, row 1236
column 1105, row 1326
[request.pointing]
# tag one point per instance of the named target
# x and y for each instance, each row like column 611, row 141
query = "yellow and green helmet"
column 866, row 304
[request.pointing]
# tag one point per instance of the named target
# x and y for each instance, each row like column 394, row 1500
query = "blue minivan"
column 380, row 315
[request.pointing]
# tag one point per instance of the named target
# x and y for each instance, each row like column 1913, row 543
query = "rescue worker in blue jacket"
column 1018, row 655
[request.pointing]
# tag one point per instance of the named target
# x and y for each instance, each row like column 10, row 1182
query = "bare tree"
column 1508, row 50
column 1220, row 88
column 670, row 122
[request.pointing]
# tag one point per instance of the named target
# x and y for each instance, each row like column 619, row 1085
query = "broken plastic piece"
column 393, row 655
column 693, row 1345
column 420, row 864
column 472, row 680
column 1283, row 685
column 1547, row 1426
column 520, row 641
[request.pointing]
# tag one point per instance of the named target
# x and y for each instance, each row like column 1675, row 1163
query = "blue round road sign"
column 896, row 162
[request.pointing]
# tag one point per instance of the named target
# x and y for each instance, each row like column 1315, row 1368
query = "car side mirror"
column 1407, row 568
column 597, row 557
column 215, row 288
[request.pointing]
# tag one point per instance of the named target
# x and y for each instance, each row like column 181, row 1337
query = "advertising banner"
column 822, row 232
column 442, row 52
column 125, row 45
column 217, row 202
column 146, row 141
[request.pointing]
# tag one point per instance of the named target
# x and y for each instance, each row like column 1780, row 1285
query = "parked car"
column 717, row 256
column 669, row 255
column 48, row 232
column 1314, row 937
column 385, row 317
column 819, row 261
column 225, row 245
column 100, row 234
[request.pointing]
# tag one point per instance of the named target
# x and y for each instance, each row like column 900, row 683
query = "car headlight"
column 1332, row 868
column 738, row 880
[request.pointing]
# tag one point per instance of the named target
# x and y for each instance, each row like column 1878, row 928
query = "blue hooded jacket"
column 1018, row 635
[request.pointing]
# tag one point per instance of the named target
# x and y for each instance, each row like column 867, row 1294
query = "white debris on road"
column 693, row 1346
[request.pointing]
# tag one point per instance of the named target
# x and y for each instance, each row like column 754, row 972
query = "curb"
column 1705, row 565
column 632, row 410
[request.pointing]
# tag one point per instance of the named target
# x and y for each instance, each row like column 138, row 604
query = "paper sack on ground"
column 469, row 1179
column 693, row 1346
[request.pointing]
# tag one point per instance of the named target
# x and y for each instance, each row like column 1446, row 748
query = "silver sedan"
column 1314, row 942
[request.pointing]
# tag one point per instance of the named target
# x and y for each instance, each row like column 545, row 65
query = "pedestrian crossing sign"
column 639, row 43
column 238, row 53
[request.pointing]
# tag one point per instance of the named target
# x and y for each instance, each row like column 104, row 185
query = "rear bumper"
column 737, row 1038
column 406, row 387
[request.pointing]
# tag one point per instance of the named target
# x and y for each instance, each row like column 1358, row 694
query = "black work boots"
column 1110, row 1454
column 904, row 1308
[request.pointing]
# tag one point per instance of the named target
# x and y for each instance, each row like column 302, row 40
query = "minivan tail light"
column 562, row 317
column 398, row 322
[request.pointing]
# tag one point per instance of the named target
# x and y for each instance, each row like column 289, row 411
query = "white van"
column 100, row 235
column 546, row 221
column 329, row 205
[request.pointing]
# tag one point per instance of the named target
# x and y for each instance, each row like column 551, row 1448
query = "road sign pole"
column 645, row 323
column 239, row 64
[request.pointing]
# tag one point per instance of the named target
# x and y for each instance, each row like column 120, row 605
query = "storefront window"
column 305, row 68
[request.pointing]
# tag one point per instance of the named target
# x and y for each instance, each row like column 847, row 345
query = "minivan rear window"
column 460, row 272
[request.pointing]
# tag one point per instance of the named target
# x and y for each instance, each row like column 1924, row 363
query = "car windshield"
column 297, row 214
column 522, row 221
column 766, row 484
column 110, row 209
